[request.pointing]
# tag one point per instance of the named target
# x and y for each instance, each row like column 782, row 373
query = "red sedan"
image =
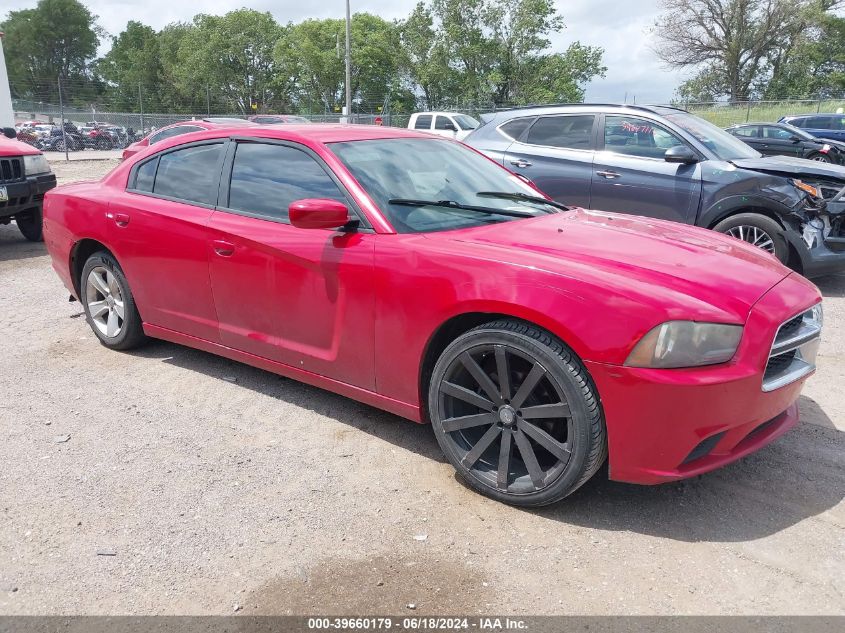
column 411, row 273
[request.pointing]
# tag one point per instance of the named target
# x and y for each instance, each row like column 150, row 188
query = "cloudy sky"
column 619, row 26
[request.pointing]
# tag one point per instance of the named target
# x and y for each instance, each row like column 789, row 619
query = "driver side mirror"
column 451, row 126
column 318, row 213
column 680, row 154
column 795, row 139
column 9, row 132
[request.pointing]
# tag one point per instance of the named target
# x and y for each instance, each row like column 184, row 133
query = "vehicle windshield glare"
column 725, row 146
column 466, row 122
column 417, row 169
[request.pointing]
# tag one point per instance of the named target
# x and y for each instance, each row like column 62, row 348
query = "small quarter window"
column 190, row 174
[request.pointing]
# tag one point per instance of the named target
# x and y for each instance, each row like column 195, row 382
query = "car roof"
column 560, row 108
column 332, row 132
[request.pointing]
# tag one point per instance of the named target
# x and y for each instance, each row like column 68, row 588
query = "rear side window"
column 145, row 175
column 570, row 132
column 818, row 123
column 516, row 128
column 190, row 174
column 443, row 123
column 267, row 178
column 423, row 122
column 746, row 132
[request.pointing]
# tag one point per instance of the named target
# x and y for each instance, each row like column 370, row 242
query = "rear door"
column 159, row 228
column 630, row 174
column 302, row 297
column 556, row 152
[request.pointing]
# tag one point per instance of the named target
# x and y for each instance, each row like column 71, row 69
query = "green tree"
column 425, row 59
column 57, row 37
column 232, row 55
column 133, row 65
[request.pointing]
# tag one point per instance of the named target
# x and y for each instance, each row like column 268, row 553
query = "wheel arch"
column 79, row 254
column 794, row 262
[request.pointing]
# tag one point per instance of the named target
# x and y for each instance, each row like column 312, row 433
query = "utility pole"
column 348, row 63
column 141, row 107
column 208, row 99
column 62, row 116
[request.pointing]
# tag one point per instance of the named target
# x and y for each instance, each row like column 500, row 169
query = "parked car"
column 177, row 129
column 411, row 273
column 96, row 138
column 271, row 119
column 830, row 126
column 782, row 139
column 448, row 124
column 61, row 136
column 25, row 176
column 666, row 163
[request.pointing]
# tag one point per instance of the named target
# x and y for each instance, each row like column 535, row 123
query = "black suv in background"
column 782, row 139
column 663, row 162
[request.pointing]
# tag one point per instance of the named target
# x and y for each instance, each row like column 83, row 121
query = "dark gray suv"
column 666, row 163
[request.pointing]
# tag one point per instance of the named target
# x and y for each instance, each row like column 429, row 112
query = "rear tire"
column 108, row 303
column 30, row 224
column 820, row 158
column 530, row 439
column 758, row 230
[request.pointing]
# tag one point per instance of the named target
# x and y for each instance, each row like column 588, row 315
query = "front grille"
column 11, row 170
column 793, row 353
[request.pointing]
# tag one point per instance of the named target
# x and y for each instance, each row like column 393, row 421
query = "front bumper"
column 665, row 425
column 26, row 194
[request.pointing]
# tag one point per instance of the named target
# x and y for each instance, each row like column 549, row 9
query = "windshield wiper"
column 507, row 195
column 451, row 204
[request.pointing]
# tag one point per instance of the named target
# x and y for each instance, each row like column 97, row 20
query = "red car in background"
column 411, row 273
column 273, row 119
column 177, row 129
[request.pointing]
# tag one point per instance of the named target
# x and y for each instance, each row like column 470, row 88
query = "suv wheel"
column 30, row 224
column 516, row 414
column 758, row 230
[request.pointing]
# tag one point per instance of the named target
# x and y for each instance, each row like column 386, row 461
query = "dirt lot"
column 192, row 484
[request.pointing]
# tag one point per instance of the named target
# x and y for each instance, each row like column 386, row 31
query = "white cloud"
column 619, row 27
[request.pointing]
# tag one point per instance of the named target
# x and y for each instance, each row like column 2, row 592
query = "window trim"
column 225, row 181
column 593, row 140
column 133, row 173
column 601, row 137
column 197, row 128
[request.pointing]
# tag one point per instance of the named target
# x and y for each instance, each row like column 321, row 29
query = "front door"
column 302, row 297
column 631, row 175
column 775, row 141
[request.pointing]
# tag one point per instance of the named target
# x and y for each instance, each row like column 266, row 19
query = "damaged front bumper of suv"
column 819, row 238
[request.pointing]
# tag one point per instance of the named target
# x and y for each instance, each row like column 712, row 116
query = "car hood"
column 791, row 167
column 12, row 147
column 663, row 263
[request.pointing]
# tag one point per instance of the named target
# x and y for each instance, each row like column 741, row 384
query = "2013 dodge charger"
column 411, row 273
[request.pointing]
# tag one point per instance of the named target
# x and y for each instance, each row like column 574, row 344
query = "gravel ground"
column 191, row 484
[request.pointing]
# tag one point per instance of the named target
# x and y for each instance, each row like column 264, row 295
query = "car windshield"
column 400, row 174
column 722, row 144
column 466, row 122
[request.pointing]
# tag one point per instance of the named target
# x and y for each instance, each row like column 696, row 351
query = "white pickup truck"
column 448, row 124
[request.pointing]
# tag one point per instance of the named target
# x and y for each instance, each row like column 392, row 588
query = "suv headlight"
column 677, row 344
column 35, row 164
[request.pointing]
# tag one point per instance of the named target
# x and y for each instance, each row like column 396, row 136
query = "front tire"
column 30, row 224
column 758, row 230
column 516, row 414
column 109, row 306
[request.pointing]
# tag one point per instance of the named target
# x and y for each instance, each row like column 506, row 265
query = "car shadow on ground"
column 831, row 285
column 14, row 246
column 799, row 476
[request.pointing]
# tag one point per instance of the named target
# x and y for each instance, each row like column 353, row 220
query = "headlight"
column 818, row 314
column 808, row 188
column 35, row 164
column 678, row 344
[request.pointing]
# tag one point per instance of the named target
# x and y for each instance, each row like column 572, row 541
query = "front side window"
column 569, row 132
column 466, row 122
column 190, row 174
column 267, row 178
column 443, row 123
column 423, row 122
column 637, row 137
column 415, row 180
column 776, row 133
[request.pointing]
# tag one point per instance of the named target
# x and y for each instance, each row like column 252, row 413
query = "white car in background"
column 448, row 124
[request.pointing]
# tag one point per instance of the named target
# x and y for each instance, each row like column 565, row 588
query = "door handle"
column 121, row 219
column 609, row 175
column 223, row 248
column 521, row 163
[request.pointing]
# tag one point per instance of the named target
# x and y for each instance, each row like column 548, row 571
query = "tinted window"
column 572, row 132
column 745, row 132
column 268, row 119
column 190, row 174
column 819, row 123
column 173, row 131
column 466, row 122
column 423, row 122
column 145, row 175
column 515, row 128
column 637, row 137
column 443, row 123
column 267, row 178
column 776, row 133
